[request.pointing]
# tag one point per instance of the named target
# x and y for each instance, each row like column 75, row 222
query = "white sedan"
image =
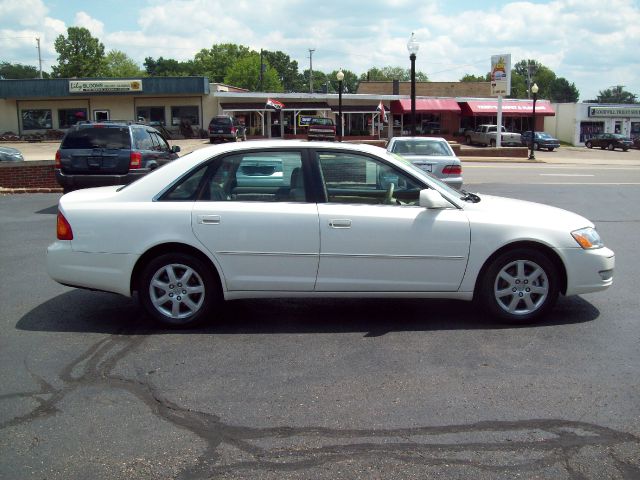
column 343, row 220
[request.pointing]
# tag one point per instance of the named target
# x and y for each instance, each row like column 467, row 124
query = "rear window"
column 321, row 121
column 221, row 121
column 116, row 138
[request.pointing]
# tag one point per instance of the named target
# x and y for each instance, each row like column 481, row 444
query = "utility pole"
column 39, row 56
column 261, row 71
column 311, row 50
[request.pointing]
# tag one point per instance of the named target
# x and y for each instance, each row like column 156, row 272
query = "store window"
column 36, row 119
column 589, row 129
column 635, row 130
column 186, row 113
column 67, row 117
column 151, row 114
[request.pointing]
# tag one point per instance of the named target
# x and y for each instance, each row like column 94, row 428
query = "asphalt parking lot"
column 323, row 389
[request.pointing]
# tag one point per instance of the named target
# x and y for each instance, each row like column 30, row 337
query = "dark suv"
column 225, row 127
column 109, row 153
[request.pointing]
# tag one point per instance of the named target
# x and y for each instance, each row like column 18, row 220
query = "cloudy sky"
column 589, row 42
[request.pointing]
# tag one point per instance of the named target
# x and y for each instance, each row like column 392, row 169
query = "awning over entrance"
column 522, row 108
column 425, row 105
column 262, row 106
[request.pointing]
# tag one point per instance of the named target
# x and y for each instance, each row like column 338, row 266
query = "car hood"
column 521, row 213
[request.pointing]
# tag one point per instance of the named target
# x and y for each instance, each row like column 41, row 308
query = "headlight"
column 587, row 238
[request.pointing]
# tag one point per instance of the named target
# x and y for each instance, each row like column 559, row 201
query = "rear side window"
column 116, row 138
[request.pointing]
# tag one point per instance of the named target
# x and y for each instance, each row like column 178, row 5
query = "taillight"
column 58, row 163
column 135, row 160
column 63, row 229
column 452, row 170
column 233, row 130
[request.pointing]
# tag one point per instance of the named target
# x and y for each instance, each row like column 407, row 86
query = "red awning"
column 425, row 105
column 519, row 108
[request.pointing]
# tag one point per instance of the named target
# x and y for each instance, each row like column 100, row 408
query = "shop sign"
column 501, row 75
column 614, row 111
column 304, row 120
column 103, row 86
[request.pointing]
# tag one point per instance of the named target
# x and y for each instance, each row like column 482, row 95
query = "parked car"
column 542, row 140
column 636, row 142
column 226, row 127
column 321, row 128
column 347, row 220
column 9, row 154
column 610, row 141
column 431, row 154
column 487, row 135
column 109, row 153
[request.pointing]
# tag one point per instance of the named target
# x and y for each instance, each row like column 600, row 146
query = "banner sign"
column 614, row 111
column 304, row 120
column 501, row 75
column 104, row 86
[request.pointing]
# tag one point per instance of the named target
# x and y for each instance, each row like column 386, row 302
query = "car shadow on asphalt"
column 95, row 312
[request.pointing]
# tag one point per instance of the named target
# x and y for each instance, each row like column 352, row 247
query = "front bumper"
column 588, row 270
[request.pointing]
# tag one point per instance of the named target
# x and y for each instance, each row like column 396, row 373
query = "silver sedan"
column 431, row 154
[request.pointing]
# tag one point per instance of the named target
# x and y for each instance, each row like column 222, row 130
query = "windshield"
column 436, row 148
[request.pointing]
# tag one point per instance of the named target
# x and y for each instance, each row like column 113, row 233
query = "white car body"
column 314, row 249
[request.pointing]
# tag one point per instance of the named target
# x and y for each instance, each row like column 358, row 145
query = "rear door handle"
column 209, row 219
column 340, row 223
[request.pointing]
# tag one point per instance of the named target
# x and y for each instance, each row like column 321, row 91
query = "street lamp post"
column 340, row 77
column 413, row 46
column 534, row 90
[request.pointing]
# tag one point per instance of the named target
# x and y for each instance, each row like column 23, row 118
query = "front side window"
column 36, row 119
column 358, row 179
column 67, row 117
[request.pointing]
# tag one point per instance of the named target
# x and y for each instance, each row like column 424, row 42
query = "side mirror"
column 432, row 199
column 175, row 148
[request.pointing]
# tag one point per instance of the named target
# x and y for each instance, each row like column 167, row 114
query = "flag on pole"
column 276, row 105
column 382, row 111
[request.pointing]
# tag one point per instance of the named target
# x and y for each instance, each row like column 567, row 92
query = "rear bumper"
column 71, row 180
column 223, row 136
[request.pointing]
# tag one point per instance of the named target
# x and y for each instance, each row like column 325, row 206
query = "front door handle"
column 209, row 219
column 340, row 223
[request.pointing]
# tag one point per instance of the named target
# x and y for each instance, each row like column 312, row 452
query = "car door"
column 374, row 236
column 261, row 230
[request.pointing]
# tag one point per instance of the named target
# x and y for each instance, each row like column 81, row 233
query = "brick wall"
column 28, row 177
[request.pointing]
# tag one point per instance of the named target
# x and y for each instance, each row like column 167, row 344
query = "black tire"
column 468, row 139
column 611, row 146
column 550, row 149
column 536, row 146
column 625, row 149
column 509, row 291
column 212, row 140
column 589, row 144
column 492, row 143
column 190, row 299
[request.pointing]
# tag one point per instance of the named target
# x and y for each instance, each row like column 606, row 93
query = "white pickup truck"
column 486, row 135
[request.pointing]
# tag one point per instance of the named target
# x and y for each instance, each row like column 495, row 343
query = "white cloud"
column 96, row 27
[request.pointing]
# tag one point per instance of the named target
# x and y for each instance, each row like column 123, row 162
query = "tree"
column 287, row 69
column 392, row 73
column 349, row 83
column 79, row 54
column 168, row 67
column 216, row 61
column 19, row 71
column 563, row 92
column 245, row 73
column 119, row 64
column 476, row 78
column 616, row 94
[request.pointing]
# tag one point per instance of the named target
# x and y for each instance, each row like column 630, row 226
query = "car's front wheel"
column 178, row 290
column 611, row 146
column 589, row 145
column 519, row 286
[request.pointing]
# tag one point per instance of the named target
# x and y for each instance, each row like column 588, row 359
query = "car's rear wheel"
column 611, row 146
column 519, row 286
column 536, row 146
column 468, row 139
column 589, row 144
column 179, row 290
column 550, row 149
column 625, row 149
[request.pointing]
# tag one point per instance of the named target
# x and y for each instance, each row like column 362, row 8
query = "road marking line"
column 565, row 175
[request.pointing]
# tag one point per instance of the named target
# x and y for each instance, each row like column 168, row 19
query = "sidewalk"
column 40, row 151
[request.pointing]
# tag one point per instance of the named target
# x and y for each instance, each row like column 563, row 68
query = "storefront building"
column 576, row 123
